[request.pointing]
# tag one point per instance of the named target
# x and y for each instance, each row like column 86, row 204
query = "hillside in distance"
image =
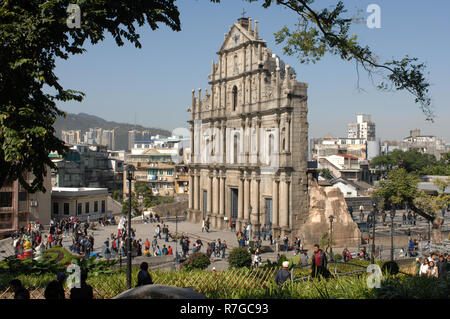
column 84, row 122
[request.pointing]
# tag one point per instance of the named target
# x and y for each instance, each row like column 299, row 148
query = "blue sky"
column 154, row 84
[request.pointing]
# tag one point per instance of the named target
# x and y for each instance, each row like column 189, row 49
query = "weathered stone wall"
column 324, row 202
column 355, row 202
column 176, row 208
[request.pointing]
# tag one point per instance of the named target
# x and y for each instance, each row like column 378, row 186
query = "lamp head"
column 130, row 171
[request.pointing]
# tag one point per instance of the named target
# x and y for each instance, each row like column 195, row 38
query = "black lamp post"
column 130, row 173
column 331, row 236
column 429, row 235
column 250, row 208
column 374, row 220
column 392, row 213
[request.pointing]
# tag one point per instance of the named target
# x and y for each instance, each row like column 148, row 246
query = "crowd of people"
column 436, row 265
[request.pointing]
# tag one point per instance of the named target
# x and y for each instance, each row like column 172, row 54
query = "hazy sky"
column 154, row 84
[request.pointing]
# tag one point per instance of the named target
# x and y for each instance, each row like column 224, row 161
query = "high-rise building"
column 364, row 128
column 71, row 137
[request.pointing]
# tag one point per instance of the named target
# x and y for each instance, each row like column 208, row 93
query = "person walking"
column 224, row 248
column 285, row 243
column 319, row 263
column 203, row 225
column 207, row 225
column 361, row 213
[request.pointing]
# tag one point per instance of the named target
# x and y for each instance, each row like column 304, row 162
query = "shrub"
column 338, row 257
column 197, row 260
column 240, row 257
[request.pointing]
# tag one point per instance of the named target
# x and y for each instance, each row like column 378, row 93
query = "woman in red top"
column 170, row 251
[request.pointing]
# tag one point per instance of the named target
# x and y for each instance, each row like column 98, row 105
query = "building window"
column 66, row 209
column 103, row 206
column 161, row 172
column 235, row 148
column 235, row 97
column 79, row 209
column 5, row 199
column 86, row 208
column 169, row 173
column 22, row 196
column 55, row 208
column 96, row 206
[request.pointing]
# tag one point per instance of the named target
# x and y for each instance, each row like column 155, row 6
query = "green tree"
column 240, row 257
column 321, row 31
column 116, row 196
column 32, row 35
column 412, row 161
column 326, row 241
column 135, row 207
column 399, row 187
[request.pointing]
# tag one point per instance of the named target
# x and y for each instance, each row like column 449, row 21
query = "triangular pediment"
column 235, row 36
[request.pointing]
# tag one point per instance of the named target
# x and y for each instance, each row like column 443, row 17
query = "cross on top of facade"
column 243, row 13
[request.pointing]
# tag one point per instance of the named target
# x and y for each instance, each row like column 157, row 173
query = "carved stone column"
column 221, row 223
column 241, row 203
column 275, row 206
column 215, row 199
column 284, row 209
column 191, row 190
column 246, row 197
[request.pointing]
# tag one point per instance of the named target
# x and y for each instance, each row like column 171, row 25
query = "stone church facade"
column 249, row 137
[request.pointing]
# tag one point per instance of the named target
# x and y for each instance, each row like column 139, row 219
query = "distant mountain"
column 84, row 122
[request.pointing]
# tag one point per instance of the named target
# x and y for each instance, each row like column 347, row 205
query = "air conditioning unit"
column 165, row 178
column 159, row 178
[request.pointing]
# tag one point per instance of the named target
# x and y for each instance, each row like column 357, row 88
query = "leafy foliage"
column 412, row 161
column 399, row 187
column 327, row 31
column 326, row 241
column 197, row 260
column 325, row 173
column 32, row 35
column 239, row 257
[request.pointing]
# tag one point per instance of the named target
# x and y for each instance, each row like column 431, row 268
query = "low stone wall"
column 355, row 202
column 114, row 206
column 173, row 209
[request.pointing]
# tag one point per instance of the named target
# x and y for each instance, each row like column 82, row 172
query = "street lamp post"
column 392, row 213
column 374, row 220
column 331, row 236
column 429, row 235
column 130, row 171
column 176, row 239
